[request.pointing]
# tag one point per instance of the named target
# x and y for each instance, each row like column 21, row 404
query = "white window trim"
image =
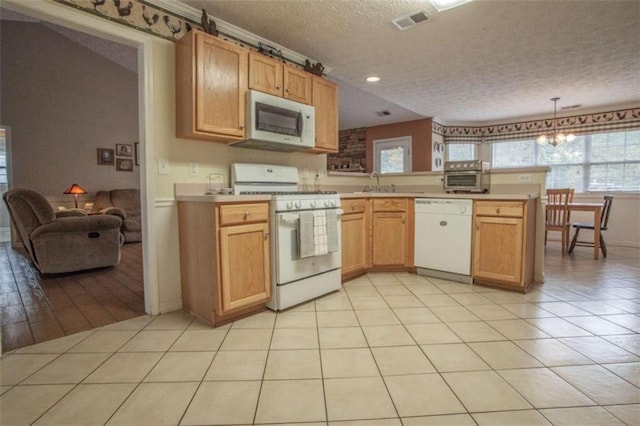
column 403, row 141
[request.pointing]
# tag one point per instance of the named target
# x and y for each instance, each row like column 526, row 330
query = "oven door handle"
column 289, row 217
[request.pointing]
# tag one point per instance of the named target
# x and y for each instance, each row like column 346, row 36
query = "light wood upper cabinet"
column 297, row 85
column 325, row 101
column 211, row 86
column 266, row 74
column 503, row 243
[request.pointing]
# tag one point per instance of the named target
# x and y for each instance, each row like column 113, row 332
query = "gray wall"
column 62, row 101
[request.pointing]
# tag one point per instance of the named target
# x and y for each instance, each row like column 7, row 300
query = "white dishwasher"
column 443, row 235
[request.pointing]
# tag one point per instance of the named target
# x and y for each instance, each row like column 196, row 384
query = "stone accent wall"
column 352, row 153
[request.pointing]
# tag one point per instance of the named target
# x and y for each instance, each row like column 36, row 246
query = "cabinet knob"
column 278, row 87
column 286, row 90
column 246, row 215
column 266, row 235
column 478, row 226
column 242, row 127
column 353, row 206
column 497, row 210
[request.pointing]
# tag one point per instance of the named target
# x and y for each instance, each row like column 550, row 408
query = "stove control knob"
column 312, row 204
column 298, row 204
column 289, row 205
column 326, row 203
column 333, row 203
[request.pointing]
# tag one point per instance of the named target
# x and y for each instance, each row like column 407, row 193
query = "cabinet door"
column 244, row 266
column 498, row 249
column 297, row 85
column 265, row 74
column 354, row 243
column 325, row 100
column 389, row 242
column 221, row 86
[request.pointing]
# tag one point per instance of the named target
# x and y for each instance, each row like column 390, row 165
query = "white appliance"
column 278, row 124
column 295, row 278
column 443, row 236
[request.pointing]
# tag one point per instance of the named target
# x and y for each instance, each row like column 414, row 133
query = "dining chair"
column 557, row 214
column 604, row 222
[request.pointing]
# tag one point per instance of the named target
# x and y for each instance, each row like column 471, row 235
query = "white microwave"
column 278, row 124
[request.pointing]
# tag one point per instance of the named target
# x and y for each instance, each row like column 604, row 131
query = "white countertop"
column 220, row 198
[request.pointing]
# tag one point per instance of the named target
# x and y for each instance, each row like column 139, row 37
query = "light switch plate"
column 524, row 178
column 163, row 166
column 193, row 169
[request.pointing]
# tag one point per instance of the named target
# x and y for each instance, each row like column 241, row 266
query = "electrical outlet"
column 163, row 166
column 524, row 178
column 193, row 169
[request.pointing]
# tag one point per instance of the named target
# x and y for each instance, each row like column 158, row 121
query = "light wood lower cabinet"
column 224, row 259
column 354, row 237
column 503, row 243
column 391, row 232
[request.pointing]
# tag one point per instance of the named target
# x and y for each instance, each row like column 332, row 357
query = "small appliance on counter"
column 467, row 176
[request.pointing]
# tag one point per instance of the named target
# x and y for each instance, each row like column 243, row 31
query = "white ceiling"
column 484, row 62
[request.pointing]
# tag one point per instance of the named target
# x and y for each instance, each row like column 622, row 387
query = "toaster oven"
column 467, row 176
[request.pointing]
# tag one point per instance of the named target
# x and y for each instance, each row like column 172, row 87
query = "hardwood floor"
column 35, row 308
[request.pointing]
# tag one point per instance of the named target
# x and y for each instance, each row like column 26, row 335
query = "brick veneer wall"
column 352, row 151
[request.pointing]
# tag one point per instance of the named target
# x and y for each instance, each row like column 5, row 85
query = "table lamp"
column 75, row 189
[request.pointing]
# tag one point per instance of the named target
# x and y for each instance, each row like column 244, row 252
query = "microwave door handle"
column 299, row 124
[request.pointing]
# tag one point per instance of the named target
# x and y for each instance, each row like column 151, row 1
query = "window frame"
column 380, row 145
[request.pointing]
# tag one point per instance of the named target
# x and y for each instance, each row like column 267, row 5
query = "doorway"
column 106, row 295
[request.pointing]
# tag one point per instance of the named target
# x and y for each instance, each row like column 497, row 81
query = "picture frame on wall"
column 124, row 165
column 136, row 152
column 124, row 150
column 105, row 156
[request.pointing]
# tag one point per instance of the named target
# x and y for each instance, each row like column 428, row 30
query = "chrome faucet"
column 374, row 173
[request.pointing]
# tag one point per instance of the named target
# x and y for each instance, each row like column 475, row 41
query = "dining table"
column 596, row 208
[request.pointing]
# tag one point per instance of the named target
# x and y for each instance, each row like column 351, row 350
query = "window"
column 597, row 162
column 392, row 155
column 461, row 151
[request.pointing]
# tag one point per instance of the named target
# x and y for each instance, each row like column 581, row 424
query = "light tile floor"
column 388, row 349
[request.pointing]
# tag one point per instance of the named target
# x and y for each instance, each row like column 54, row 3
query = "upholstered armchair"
column 124, row 203
column 64, row 242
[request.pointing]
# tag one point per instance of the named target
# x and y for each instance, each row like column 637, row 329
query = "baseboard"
column 171, row 305
column 631, row 244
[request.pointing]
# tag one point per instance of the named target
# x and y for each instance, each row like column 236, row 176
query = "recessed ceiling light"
column 441, row 5
column 372, row 79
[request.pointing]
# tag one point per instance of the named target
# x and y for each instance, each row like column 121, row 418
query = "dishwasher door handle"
column 443, row 223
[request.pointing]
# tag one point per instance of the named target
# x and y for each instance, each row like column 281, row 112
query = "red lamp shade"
column 74, row 190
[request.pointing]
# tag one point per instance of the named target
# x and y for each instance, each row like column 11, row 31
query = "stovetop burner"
column 287, row 192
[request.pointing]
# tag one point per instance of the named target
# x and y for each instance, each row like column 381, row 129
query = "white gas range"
column 305, row 226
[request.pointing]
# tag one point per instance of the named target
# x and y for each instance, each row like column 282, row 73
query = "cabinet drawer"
column 354, row 205
column 243, row 213
column 499, row 208
column 389, row 204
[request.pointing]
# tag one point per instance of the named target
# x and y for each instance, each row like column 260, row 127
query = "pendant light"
column 557, row 137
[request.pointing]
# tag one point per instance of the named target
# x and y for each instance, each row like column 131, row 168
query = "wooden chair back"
column 557, row 211
column 604, row 222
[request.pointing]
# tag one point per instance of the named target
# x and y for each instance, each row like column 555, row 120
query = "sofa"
column 124, row 203
column 66, row 241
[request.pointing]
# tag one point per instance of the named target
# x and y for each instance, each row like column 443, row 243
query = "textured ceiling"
column 486, row 61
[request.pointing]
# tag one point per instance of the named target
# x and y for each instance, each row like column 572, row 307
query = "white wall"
column 62, row 102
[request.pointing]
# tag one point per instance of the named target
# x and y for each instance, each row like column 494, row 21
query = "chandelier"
column 556, row 137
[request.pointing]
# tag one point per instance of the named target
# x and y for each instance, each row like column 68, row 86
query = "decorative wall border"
column 625, row 119
column 137, row 14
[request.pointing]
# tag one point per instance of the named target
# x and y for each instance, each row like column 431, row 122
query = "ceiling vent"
column 410, row 20
column 383, row 113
